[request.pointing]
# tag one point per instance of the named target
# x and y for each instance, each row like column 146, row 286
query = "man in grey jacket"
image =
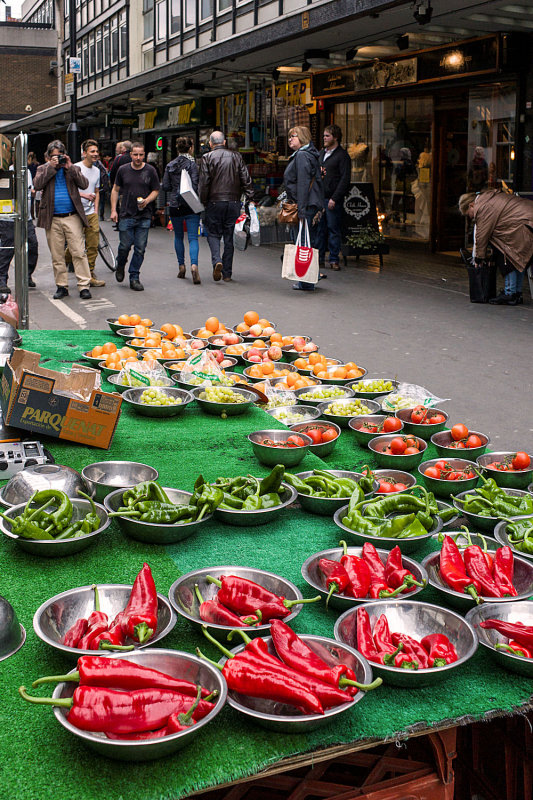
column 224, row 177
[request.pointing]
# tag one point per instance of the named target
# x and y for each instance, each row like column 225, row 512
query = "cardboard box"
column 44, row 401
column 5, row 152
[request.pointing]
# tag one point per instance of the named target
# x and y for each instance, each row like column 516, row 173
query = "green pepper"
column 272, row 482
column 61, row 517
column 356, row 522
column 415, row 528
column 252, row 503
column 426, row 520
column 92, row 520
column 525, row 545
column 147, row 490
column 75, row 529
column 168, row 515
column 521, row 529
column 356, row 497
column 395, row 526
column 446, row 514
column 270, row 500
column 503, row 507
column 230, row 502
column 401, row 503
column 210, row 498
column 297, row 483
column 25, row 528
column 367, row 481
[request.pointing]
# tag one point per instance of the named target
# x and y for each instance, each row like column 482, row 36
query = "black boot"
column 516, row 299
column 502, row 300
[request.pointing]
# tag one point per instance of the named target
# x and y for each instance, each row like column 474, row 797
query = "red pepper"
column 452, row 570
column 477, row 568
column 214, row 612
column 389, row 653
column 116, row 627
column 176, row 722
column 140, row 735
column 140, row 615
column 503, row 571
column 396, row 575
column 364, row 640
column 375, row 564
column 246, row 597
column 381, row 590
column 108, row 641
column 119, row 673
column 440, row 650
column 413, row 649
column 76, row 632
column 358, row 572
column 522, row 633
column 337, row 579
column 516, row 648
column 405, row 661
column 98, row 622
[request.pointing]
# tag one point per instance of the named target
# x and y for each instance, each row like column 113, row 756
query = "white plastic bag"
column 278, row 397
column 255, row 235
column 408, row 395
column 203, row 368
column 241, row 232
column 142, row 373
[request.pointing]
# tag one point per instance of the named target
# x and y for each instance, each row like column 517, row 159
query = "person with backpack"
column 179, row 211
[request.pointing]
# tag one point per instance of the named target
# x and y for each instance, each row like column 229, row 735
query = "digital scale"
column 15, row 456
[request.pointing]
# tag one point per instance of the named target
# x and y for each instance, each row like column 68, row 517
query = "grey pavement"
column 412, row 321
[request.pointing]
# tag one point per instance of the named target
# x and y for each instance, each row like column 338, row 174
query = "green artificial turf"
column 41, row 759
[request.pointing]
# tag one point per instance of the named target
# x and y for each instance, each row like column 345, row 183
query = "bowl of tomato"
column 447, row 476
column 393, row 481
column 398, row 451
column 369, row 426
column 509, row 470
column 325, row 436
column 273, row 447
column 460, row 442
column 423, row 422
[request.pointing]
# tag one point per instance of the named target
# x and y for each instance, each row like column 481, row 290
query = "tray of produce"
column 324, row 491
column 488, row 503
column 506, row 631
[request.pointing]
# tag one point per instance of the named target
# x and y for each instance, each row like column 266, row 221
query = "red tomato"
column 397, row 446
column 410, row 451
column 452, row 476
column 418, row 415
column 385, row 487
column 521, row 460
column 473, row 441
column 329, row 434
column 315, row 434
column 399, row 487
column 459, row 431
column 391, row 424
column 412, row 441
column 432, row 472
column 440, row 465
column 295, row 441
column 436, row 419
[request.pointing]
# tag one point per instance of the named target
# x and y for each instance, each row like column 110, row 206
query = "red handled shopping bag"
column 300, row 260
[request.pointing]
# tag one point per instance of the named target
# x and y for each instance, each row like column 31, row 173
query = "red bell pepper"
column 76, row 632
column 523, row 634
column 97, row 622
column 503, row 571
column 516, row 649
column 214, row 612
column 439, row 649
column 396, row 575
column 413, row 649
column 140, row 615
column 358, row 572
column 452, row 570
column 476, row 567
column 337, row 580
column 246, row 597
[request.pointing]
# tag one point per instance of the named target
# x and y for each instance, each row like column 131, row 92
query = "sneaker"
column 96, row 281
column 85, row 294
column 136, row 286
column 181, row 271
column 61, row 291
column 119, row 274
column 217, row 271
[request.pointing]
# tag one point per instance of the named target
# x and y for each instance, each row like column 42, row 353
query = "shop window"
column 206, row 8
column 174, row 16
column 491, row 137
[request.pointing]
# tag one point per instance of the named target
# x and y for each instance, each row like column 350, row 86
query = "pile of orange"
column 166, row 350
column 238, row 349
column 324, row 369
column 292, row 381
column 172, row 330
column 314, row 360
column 283, row 341
column 130, row 320
column 252, row 318
column 152, row 339
column 267, row 369
column 211, row 327
column 113, row 358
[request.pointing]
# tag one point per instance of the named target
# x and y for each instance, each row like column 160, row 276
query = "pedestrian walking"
column 224, row 177
column 7, row 243
column 105, row 188
column 62, row 216
column 504, row 221
column 179, row 211
column 123, row 156
column 139, row 185
column 335, row 168
column 303, row 183
column 90, row 198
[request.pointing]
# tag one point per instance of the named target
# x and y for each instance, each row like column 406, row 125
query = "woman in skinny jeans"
column 179, row 211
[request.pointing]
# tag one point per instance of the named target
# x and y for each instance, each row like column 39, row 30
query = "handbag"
column 187, row 193
column 288, row 213
column 300, row 260
column 482, row 282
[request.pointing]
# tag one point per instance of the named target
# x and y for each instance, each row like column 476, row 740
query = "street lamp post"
column 73, row 132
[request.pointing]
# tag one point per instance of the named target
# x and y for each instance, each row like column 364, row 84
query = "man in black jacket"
column 224, row 177
column 335, row 165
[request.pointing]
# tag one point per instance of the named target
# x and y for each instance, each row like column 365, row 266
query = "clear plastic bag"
column 142, row 373
column 408, row 395
column 202, row 365
column 278, row 397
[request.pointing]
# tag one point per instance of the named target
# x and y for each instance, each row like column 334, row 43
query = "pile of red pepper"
column 399, row 649
column 477, row 572
column 367, row 576
column 127, row 701
column 520, row 636
column 297, row 676
column 138, row 621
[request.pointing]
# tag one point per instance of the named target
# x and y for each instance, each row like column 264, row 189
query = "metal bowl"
column 104, row 477
column 131, row 397
column 358, row 392
column 120, row 387
column 262, row 350
column 283, row 718
column 501, row 536
column 326, row 506
column 324, row 448
column 509, row 480
column 408, row 462
column 260, row 517
column 171, row 662
column 151, row 532
column 410, row 545
column 194, row 333
column 360, row 434
column 230, row 409
column 423, row 431
column 308, row 414
column 312, row 575
column 217, row 337
column 314, row 400
column 417, row 620
column 530, row 488
column 399, row 477
column 522, row 579
column 444, row 488
column 288, row 456
column 115, row 326
column 279, row 364
column 341, row 381
column 56, row 548
column 108, row 371
column 443, row 439
column 184, row 601
column 129, row 333
column 55, row 616
column 23, row 484
column 12, row 633
column 344, row 419
column 488, row 638
column 334, row 362
column 93, row 360
column 485, row 523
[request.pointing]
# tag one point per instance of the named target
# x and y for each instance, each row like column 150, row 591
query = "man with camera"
column 62, row 216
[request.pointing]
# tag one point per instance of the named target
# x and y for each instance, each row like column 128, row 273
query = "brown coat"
column 506, row 222
column 45, row 181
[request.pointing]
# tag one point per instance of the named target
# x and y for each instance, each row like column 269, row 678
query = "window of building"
column 161, row 20
column 206, row 8
column 174, row 16
column 97, row 8
column 92, row 54
column 85, row 60
column 107, row 45
column 224, row 5
column 123, row 37
column 148, row 19
column 148, row 59
column 99, row 51
column 114, row 40
column 190, row 12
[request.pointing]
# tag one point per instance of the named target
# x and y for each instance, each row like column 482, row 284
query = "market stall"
column 40, row 757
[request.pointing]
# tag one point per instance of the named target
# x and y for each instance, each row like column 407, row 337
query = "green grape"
column 377, row 385
column 278, row 402
column 323, row 393
column 155, row 397
column 289, row 417
column 221, row 394
column 353, row 408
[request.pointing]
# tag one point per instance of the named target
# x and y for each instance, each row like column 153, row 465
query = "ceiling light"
column 317, row 58
column 422, row 11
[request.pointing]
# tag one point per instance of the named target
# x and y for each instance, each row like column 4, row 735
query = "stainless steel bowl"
column 324, row 448
column 344, row 419
column 416, row 619
column 399, row 477
column 283, row 718
column 171, row 662
column 442, row 487
column 12, row 633
column 55, row 616
column 184, row 601
column 249, row 361
column 23, row 484
column 150, row 532
column 180, row 379
column 308, row 414
column 104, row 477
column 361, row 435
column 122, row 387
column 358, row 391
column 108, row 371
column 509, row 480
column 489, row 638
column 231, row 409
column 443, row 439
column 312, row 575
column 309, row 395
column 115, row 326
column 56, row 548
column 131, row 397
column 522, row 579
column 341, row 381
column 93, row 360
column 280, row 365
column 387, row 543
column 326, row 506
column 501, row 535
column 128, row 332
column 288, row 456
column 484, row 523
column 423, row 431
column 408, row 462
column 260, row 517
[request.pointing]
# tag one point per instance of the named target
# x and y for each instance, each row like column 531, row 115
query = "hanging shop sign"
column 378, row 75
column 147, row 120
column 184, row 114
column 126, row 122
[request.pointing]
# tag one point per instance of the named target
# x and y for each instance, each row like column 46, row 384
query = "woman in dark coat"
column 179, row 210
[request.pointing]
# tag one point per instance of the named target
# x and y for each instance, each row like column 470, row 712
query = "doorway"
column 451, row 126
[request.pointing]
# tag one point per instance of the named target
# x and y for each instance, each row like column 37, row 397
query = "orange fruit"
column 97, row 351
column 300, row 363
column 276, row 338
column 147, row 322
column 140, row 330
column 251, row 317
column 109, row 347
column 134, row 319
column 242, row 327
column 299, row 384
column 149, row 342
column 264, row 322
column 169, row 330
column 292, row 379
column 212, row 324
column 124, row 319
column 255, row 371
column 203, row 333
column 314, row 358
column 129, row 351
column 268, row 368
column 317, row 368
column 111, row 360
column 258, row 343
column 131, row 359
column 137, row 342
column 322, row 374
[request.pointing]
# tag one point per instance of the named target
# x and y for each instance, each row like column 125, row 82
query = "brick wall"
column 26, row 80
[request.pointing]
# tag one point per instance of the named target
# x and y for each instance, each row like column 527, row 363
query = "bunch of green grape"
column 135, row 382
column 377, row 385
column 155, row 397
column 278, row 402
column 323, row 393
column 221, row 394
column 289, row 417
column 196, row 380
column 353, row 408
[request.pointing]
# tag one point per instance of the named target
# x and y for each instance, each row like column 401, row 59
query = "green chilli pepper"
column 272, row 482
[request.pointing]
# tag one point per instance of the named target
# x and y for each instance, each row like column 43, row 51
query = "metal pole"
column 247, row 118
column 21, row 229
column 73, row 132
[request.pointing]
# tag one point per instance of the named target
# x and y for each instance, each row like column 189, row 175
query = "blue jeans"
column 192, row 222
column 132, row 233
column 330, row 233
column 513, row 282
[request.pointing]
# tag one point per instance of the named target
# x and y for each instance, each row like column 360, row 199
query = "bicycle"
column 106, row 252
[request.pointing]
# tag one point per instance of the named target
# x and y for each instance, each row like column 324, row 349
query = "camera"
column 61, row 160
